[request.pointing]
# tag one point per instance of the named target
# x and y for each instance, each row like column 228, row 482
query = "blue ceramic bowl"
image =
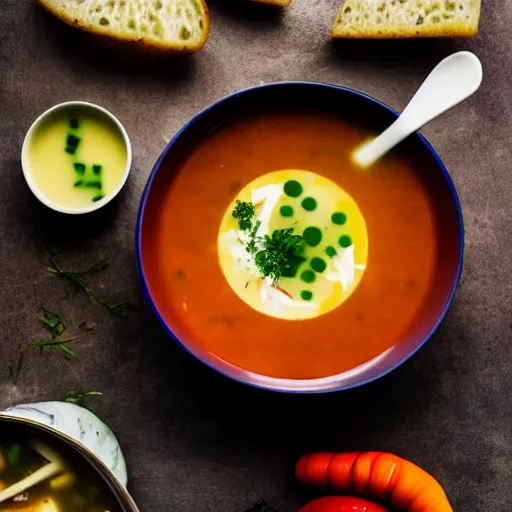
column 372, row 114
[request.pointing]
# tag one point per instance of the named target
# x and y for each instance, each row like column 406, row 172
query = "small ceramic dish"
column 76, row 157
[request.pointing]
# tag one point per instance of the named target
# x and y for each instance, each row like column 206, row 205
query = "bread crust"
column 276, row 3
column 181, row 48
column 385, row 19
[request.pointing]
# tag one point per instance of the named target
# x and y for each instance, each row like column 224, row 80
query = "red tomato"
column 342, row 504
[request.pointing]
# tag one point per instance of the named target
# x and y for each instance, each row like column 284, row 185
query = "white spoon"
column 453, row 80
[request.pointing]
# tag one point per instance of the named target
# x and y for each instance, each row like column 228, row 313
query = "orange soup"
column 333, row 315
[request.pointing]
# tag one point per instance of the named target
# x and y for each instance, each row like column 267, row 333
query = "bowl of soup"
column 44, row 470
column 274, row 259
column 76, row 157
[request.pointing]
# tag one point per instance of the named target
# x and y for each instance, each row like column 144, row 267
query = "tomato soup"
column 333, row 314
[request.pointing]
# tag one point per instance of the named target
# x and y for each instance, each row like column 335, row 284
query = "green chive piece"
column 70, row 150
column 79, row 183
column 79, row 168
column 72, row 140
column 74, row 124
column 96, row 169
column 93, row 184
column 306, row 295
column 97, row 198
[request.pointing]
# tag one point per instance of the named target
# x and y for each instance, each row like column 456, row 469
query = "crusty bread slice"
column 278, row 3
column 170, row 25
column 387, row 19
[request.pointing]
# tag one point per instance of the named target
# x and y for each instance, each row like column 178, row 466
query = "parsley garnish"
column 277, row 255
column 244, row 213
column 281, row 256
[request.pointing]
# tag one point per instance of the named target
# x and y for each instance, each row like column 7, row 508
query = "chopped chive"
column 74, row 124
column 72, row 140
column 79, row 183
column 93, row 184
column 70, row 150
column 96, row 169
column 79, row 168
column 97, row 198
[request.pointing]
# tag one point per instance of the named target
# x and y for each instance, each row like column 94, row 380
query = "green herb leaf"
column 101, row 265
column 53, row 323
column 69, row 353
column 79, row 168
column 281, row 256
column 78, row 398
column 14, row 453
column 84, row 327
column 50, row 344
column 121, row 309
column 76, row 279
column 72, row 141
column 15, row 369
column 244, row 213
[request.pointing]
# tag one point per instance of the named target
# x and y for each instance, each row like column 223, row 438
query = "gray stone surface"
column 193, row 440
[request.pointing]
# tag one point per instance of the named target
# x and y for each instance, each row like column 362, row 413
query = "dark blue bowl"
column 368, row 112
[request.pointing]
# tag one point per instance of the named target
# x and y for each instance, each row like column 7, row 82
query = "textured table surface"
column 193, row 440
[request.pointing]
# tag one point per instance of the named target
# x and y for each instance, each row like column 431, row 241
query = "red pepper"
column 342, row 504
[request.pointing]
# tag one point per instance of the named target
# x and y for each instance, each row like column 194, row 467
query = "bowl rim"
column 320, row 385
column 105, row 473
column 25, row 165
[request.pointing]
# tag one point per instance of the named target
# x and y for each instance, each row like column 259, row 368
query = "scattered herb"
column 78, row 398
column 96, row 169
column 74, row 124
column 60, row 343
column 101, row 265
column 281, row 256
column 15, row 369
column 53, row 323
column 95, row 199
column 84, row 327
column 55, row 343
column 77, row 281
column 244, row 213
column 121, row 309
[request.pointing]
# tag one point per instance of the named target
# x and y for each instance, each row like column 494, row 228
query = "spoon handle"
column 453, row 80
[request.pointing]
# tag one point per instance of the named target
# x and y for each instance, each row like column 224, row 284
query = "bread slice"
column 170, row 25
column 278, row 3
column 387, row 19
